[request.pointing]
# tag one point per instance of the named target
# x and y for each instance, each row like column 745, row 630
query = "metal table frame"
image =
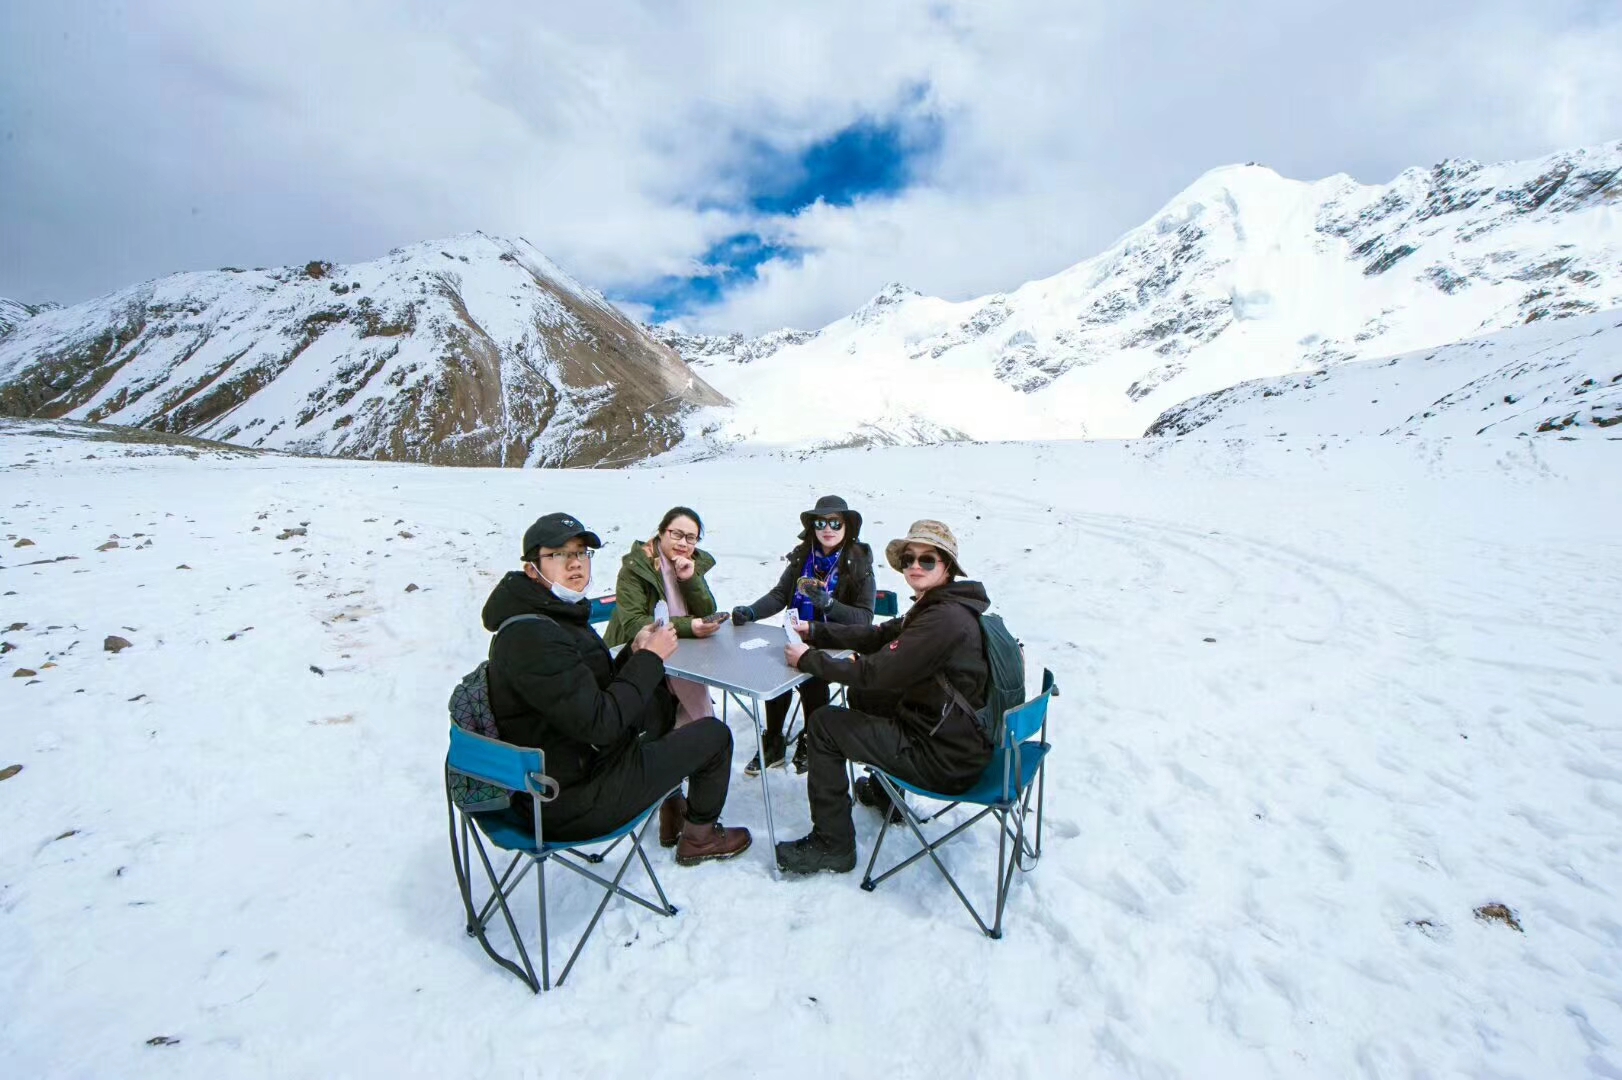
column 694, row 660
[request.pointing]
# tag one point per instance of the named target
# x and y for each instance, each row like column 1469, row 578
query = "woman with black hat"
column 829, row 578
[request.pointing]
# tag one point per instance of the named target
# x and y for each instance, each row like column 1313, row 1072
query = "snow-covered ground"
column 1322, row 699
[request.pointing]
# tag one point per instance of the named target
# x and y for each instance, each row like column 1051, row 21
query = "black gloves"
column 816, row 592
column 741, row 614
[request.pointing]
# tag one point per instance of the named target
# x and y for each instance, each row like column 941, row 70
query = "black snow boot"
column 811, row 853
column 869, row 792
column 774, row 755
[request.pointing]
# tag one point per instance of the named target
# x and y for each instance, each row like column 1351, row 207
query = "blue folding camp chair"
column 517, row 768
column 1003, row 791
column 603, row 608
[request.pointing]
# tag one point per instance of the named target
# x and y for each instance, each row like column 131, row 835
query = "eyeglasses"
column 830, row 524
column 926, row 561
column 682, row 537
column 567, row 557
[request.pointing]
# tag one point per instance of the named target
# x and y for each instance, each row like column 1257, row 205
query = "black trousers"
column 700, row 752
column 839, row 735
column 813, row 696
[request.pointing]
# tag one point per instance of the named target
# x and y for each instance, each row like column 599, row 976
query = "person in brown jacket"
column 904, row 716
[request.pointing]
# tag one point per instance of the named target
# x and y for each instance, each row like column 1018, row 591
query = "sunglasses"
column 925, row 562
column 830, row 524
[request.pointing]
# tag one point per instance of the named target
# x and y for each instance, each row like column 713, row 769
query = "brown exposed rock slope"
column 470, row 351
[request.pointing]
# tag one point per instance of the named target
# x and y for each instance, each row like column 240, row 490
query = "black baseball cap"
column 555, row 530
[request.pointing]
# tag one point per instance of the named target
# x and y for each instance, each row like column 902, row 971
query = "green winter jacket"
column 640, row 586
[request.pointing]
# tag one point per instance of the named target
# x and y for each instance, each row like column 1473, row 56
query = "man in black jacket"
column 606, row 724
column 905, row 717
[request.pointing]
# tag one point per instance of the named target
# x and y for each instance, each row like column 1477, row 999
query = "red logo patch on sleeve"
column 895, row 644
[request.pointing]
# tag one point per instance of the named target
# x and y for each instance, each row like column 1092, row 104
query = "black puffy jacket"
column 898, row 666
column 853, row 596
column 553, row 684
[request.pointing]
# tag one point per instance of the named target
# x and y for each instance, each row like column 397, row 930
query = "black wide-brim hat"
column 555, row 530
column 832, row 504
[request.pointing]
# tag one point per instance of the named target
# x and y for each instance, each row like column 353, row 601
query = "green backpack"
column 1005, row 683
column 470, row 710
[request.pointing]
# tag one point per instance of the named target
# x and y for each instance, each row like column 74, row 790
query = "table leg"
column 756, row 708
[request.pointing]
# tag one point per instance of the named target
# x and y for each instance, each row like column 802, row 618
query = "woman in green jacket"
column 670, row 567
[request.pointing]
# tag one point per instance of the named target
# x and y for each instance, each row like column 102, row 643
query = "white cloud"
column 165, row 136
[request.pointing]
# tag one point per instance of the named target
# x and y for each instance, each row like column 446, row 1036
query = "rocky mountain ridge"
column 478, row 350
column 13, row 313
column 1243, row 275
column 1560, row 377
column 474, row 350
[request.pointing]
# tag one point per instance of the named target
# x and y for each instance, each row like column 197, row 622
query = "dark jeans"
column 700, row 751
column 813, row 696
column 839, row 735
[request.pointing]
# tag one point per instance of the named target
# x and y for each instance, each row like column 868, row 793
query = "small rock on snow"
column 411, row 588
column 24, row 542
column 317, row 670
column 114, row 643
column 1499, row 913
column 9, row 771
column 108, row 546
column 24, row 673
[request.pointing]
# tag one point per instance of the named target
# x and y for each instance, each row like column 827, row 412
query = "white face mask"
column 566, row 594
column 562, row 592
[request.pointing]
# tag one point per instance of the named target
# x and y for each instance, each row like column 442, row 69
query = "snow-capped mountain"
column 1245, row 274
column 470, row 351
column 13, row 313
column 478, row 350
column 1563, row 376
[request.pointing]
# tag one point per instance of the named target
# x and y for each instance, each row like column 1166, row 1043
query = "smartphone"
column 661, row 614
column 717, row 619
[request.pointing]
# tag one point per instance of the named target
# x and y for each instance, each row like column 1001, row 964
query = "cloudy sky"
column 734, row 165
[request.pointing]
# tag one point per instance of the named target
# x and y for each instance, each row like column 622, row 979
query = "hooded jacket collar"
column 971, row 594
column 516, row 594
column 637, row 561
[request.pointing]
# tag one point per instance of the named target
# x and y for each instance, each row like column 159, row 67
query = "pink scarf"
column 692, row 699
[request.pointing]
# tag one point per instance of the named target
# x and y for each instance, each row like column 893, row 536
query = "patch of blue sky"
column 865, row 159
column 729, row 262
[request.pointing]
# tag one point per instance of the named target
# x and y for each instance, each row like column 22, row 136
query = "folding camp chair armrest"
column 542, row 788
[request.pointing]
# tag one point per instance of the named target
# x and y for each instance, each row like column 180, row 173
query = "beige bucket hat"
column 925, row 531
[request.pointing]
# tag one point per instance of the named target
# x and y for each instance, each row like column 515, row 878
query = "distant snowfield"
column 1321, row 700
column 1563, row 376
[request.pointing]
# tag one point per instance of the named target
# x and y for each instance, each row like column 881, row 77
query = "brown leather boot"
column 672, row 814
column 701, row 842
